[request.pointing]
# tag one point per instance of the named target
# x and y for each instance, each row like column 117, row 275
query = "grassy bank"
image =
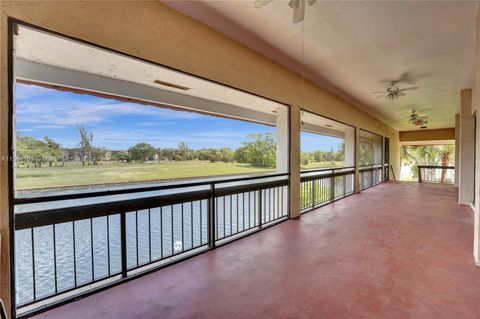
column 113, row 172
column 312, row 165
column 74, row 174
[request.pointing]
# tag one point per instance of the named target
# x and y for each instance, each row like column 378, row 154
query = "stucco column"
column 465, row 193
column 350, row 155
column 457, row 150
column 5, row 262
column 357, row 160
column 282, row 140
column 383, row 159
column 295, row 161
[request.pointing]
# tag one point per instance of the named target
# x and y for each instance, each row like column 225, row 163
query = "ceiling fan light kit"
column 394, row 91
column 418, row 120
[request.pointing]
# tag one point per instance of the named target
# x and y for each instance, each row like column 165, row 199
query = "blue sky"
column 310, row 142
column 119, row 125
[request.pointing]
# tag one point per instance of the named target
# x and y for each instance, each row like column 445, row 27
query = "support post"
column 295, row 161
column 457, row 150
column 465, row 193
column 357, row 160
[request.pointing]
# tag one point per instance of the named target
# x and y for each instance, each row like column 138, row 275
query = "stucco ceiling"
column 354, row 48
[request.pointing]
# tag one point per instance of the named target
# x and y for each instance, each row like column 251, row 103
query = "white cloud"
column 66, row 113
column 25, row 92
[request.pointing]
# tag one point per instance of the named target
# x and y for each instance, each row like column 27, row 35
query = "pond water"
column 151, row 235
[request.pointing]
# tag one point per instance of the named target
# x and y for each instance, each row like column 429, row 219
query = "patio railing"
column 436, row 174
column 370, row 175
column 322, row 186
column 66, row 245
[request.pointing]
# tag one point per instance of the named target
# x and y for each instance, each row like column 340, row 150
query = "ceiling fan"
column 298, row 7
column 417, row 119
column 393, row 91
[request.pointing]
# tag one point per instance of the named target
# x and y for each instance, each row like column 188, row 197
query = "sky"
column 310, row 142
column 119, row 125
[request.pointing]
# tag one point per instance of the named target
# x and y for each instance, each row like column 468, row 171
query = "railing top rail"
column 371, row 165
column 436, row 166
column 364, row 168
column 130, row 190
column 326, row 169
column 43, row 217
column 322, row 175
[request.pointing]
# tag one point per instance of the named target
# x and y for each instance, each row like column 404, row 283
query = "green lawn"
column 312, row 165
column 113, row 172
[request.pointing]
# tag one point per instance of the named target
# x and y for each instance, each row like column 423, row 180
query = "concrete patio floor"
column 397, row 250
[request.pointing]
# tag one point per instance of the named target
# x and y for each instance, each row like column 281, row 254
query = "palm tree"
column 446, row 152
column 85, row 144
column 427, row 155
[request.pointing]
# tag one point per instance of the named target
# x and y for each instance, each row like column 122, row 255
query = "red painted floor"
column 394, row 251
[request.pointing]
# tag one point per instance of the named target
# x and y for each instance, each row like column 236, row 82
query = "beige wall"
column 476, row 109
column 158, row 33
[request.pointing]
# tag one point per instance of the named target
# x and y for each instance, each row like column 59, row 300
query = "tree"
column 305, row 158
column 142, row 152
column 227, row 155
column 97, row 153
column 54, row 151
column 446, row 154
column 243, row 155
column 121, row 157
column 167, row 154
column 28, row 149
column 209, row 154
column 184, row 153
column 340, row 155
column 366, row 153
column 86, row 139
column 413, row 156
column 261, row 151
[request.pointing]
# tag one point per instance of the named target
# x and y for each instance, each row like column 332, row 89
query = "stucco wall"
column 476, row 110
column 427, row 135
column 158, row 33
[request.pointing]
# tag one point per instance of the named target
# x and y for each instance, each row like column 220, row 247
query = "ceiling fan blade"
column 294, row 4
column 261, row 3
column 400, row 93
column 299, row 12
column 380, row 96
column 378, row 92
column 412, row 88
column 405, row 77
column 311, row 2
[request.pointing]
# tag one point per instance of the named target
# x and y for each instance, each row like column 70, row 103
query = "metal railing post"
column 419, row 174
column 211, row 218
column 260, row 208
column 123, row 238
column 372, row 182
column 332, row 185
column 313, row 193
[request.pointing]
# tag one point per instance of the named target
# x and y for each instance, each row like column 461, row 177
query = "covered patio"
column 397, row 250
column 239, row 159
